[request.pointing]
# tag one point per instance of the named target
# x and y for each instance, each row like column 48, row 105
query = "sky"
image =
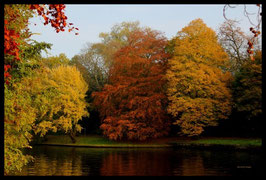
column 93, row 19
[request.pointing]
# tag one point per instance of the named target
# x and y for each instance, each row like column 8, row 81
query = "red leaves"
column 6, row 67
column 250, row 43
column 54, row 15
column 133, row 105
column 250, row 50
column 10, row 42
column 7, row 75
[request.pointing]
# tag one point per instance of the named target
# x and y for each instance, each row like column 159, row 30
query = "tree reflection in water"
column 137, row 162
column 70, row 161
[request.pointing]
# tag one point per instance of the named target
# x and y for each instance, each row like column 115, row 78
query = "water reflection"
column 52, row 161
column 69, row 161
column 137, row 162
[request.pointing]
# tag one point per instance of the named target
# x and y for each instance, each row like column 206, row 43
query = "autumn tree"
column 95, row 59
column 55, row 61
column 133, row 104
column 18, row 119
column 94, row 62
column 114, row 40
column 20, row 54
column 58, row 98
column 197, row 81
column 19, row 115
column 17, row 34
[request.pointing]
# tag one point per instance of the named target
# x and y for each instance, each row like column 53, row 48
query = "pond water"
column 73, row 161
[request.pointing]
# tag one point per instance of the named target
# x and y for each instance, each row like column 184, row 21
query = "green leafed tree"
column 55, row 61
column 247, row 93
column 114, row 40
column 91, row 64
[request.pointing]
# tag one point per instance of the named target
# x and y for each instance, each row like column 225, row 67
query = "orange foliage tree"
column 133, row 104
column 197, row 81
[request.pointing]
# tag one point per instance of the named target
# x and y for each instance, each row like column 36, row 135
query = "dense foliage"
column 133, row 105
column 95, row 59
column 59, row 99
column 197, row 85
column 25, row 103
column 135, row 82
column 16, row 31
column 248, row 87
column 247, row 96
column 18, row 121
column 94, row 62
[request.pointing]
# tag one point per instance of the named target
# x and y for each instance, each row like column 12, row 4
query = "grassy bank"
column 228, row 141
column 99, row 141
column 221, row 143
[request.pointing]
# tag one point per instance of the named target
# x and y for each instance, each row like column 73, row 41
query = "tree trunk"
column 72, row 137
column 195, row 137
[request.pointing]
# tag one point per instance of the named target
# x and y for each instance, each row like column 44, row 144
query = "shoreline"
column 179, row 146
column 107, row 146
column 204, row 143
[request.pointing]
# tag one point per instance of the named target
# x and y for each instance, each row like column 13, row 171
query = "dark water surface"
column 69, row 161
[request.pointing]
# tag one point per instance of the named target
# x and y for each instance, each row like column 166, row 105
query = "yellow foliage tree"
column 197, row 82
column 18, row 119
column 47, row 100
column 59, row 99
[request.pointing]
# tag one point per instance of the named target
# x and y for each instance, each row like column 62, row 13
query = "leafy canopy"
column 133, row 104
column 197, row 83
